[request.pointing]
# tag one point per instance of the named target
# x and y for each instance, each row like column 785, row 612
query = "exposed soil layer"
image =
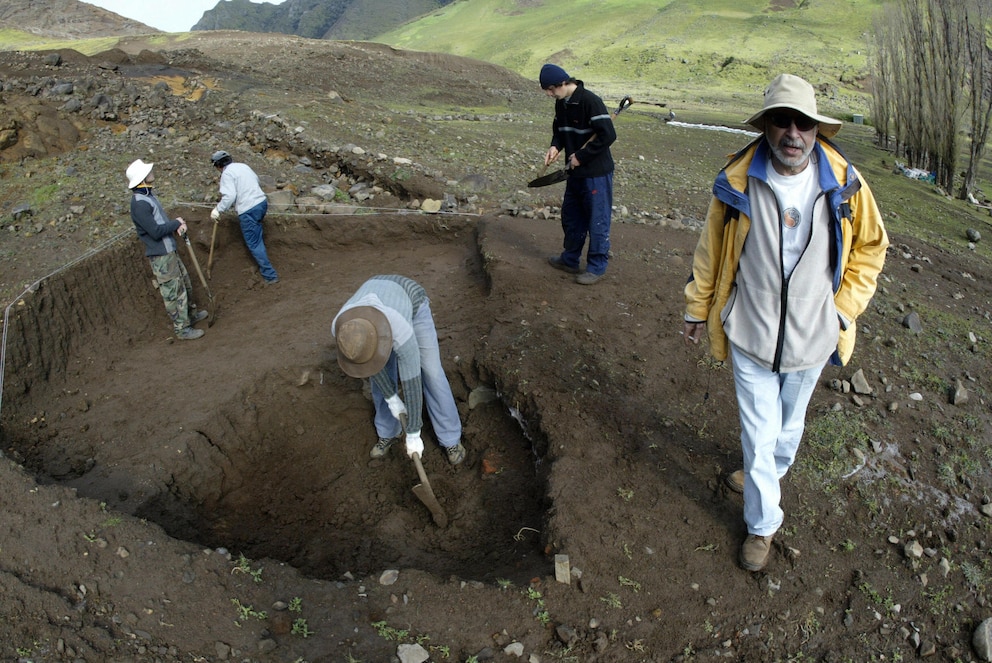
column 214, row 500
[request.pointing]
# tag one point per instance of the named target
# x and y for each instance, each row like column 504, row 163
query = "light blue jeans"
column 438, row 398
column 773, row 416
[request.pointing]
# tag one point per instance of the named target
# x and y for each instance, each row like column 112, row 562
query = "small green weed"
column 301, row 628
column 612, row 600
column 626, row 494
column 388, row 632
column 243, row 565
column 246, row 611
column 633, row 584
column 296, row 604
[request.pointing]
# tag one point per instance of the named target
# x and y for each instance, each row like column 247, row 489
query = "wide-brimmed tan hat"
column 364, row 339
column 793, row 92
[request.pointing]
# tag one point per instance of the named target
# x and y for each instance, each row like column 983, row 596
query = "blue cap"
column 552, row 74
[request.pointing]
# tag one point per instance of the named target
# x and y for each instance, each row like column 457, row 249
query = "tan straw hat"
column 364, row 341
column 793, row 92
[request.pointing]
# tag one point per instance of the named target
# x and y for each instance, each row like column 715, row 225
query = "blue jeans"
column 251, row 230
column 773, row 417
column 587, row 210
column 438, row 398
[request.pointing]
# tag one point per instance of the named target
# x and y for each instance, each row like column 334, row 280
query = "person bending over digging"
column 158, row 231
column 386, row 332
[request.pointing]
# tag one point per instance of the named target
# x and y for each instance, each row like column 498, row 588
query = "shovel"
column 210, row 257
column 423, row 490
column 562, row 175
column 196, row 263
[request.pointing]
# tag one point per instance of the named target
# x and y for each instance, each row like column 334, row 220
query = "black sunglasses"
column 785, row 120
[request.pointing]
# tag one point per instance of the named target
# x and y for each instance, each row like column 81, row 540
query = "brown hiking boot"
column 735, row 481
column 754, row 552
column 382, row 446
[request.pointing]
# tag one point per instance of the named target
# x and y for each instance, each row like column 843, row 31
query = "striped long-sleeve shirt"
column 398, row 298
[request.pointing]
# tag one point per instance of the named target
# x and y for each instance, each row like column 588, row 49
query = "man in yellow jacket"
column 788, row 258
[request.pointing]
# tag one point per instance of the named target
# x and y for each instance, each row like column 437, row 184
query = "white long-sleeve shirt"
column 239, row 187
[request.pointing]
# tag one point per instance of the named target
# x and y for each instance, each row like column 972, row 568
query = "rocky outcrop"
column 67, row 19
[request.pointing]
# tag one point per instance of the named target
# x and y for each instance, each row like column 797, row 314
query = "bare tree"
column 919, row 82
column 979, row 16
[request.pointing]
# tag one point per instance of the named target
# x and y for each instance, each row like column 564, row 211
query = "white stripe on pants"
column 773, row 416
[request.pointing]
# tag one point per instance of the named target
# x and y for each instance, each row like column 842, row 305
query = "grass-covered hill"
column 672, row 49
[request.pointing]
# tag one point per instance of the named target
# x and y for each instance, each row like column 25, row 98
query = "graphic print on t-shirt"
column 792, row 217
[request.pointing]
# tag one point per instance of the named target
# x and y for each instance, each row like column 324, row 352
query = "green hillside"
column 674, row 50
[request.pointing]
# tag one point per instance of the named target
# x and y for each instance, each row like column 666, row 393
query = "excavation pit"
column 251, row 438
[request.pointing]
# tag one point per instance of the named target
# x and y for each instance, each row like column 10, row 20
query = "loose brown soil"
column 193, row 501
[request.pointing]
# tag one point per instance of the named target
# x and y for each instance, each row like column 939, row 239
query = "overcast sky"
column 166, row 15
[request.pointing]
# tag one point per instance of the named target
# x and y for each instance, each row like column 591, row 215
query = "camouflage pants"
column 175, row 286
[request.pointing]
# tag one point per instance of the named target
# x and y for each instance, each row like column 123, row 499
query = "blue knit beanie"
column 552, row 74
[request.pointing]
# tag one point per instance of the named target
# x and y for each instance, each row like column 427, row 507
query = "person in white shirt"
column 239, row 188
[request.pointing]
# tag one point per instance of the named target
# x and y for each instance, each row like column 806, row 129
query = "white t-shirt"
column 796, row 195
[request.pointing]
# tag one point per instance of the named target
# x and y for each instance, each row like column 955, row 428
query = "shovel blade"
column 551, row 178
column 426, row 495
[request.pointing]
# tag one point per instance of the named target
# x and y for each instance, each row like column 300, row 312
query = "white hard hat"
column 137, row 172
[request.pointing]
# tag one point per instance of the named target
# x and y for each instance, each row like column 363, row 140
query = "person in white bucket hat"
column 158, row 232
column 788, row 258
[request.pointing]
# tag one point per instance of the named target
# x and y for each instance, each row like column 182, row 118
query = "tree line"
column 932, row 83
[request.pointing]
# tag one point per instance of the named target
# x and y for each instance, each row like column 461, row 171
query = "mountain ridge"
column 67, row 19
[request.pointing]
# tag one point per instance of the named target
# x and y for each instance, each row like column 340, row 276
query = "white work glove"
column 396, row 405
column 214, row 214
column 414, row 445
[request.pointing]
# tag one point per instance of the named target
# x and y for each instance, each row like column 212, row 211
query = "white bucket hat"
column 795, row 93
column 137, row 172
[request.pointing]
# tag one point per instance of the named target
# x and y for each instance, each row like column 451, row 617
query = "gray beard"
column 791, row 162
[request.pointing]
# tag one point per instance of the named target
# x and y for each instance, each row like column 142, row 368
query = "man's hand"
column 214, row 214
column 551, row 155
column 182, row 225
column 693, row 331
column 414, row 445
column 396, row 406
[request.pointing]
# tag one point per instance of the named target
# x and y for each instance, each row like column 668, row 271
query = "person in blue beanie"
column 583, row 130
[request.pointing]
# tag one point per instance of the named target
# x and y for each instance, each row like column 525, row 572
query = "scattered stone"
column 481, row 395
column 916, row 396
column 973, row 235
column 566, row 634
column 412, row 654
column 912, row 322
column 859, row 383
column 430, row 205
column 913, row 550
column 389, row 577
column 959, row 395
column 562, row 573
column 514, row 649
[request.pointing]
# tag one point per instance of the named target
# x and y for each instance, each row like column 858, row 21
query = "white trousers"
column 773, row 416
